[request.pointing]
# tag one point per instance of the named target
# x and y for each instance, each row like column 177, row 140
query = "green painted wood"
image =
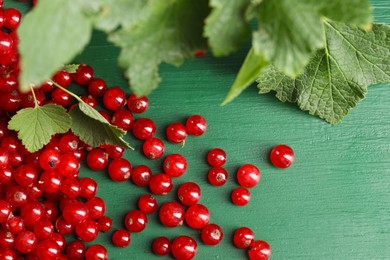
column 333, row 203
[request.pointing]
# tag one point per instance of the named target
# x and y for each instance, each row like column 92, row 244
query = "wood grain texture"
column 333, row 203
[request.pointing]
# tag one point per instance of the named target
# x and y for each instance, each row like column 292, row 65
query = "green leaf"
column 117, row 13
column 226, row 27
column 70, row 68
column 51, row 35
column 251, row 68
column 93, row 128
column 337, row 77
column 37, row 125
column 169, row 31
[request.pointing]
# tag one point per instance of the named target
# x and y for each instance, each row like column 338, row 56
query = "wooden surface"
column 333, row 203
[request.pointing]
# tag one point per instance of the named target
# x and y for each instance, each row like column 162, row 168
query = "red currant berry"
column 70, row 187
column 282, row 156
column 137, row 104
column 161, row 246
column 184, row 248
column 171, row 214
column 97, row 87
column 25, row 175
column 34, row 191
column 87, row 230
column 96, row 252
column 189, row 193
column 216, row 157
column 136, row 221
column 10, row 101
column 248, row 175
column 259, row 250
column 243, row 237
column 62, row 78
column 105, row 223
column 119, row 170
column 26, row 242
column 84, row 74
column 199, row 53
column 15, row 225
column 69, row 165
column 6, row 45
column 144, row 129
column 47, row 87
column 241, row 196
column 197, row 216
column 175, row 165
column 176, row 133
column 49, row 159
column 28, row 99
column 31, row 212
column 88, row 188
column 147, row 203
column 59, row 239
column 121, row 238
column 63, row 227
column 68, row 143
column 7, row 239
column 212, row 234
column 12, row 18
column 6, row 174
column 51, row 210
column 97, row 159
column 160, row 184
column 8, row 253
column 123, row 119
column 44, row 228
column 90, row 100
column 96, row 208
column 16, row 195
column 5, row 210
column 61, row 97
column 114, row 151
column 114, row 99
column 153, row 148
column 75, row 212
column 196, row 125
column 217, row 176
column 141, row 175
column 75, row 250
column 50, row 181
column 47, row 249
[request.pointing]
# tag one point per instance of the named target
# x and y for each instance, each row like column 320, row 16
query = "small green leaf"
column 51, row 35
column 37, row 125
column 70, row 68
column 251, row 68
column 226, row 27
column 93, row 128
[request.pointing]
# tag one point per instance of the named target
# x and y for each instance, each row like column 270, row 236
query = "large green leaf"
column 337, row 77
column 169, row 31
column 226, row 27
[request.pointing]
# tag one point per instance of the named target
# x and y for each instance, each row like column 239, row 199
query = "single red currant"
column 197, row 216
column 25, row 175
column 31, row 212
column 7, row 239
column 49, row 159
column 176, row 133
column 16, row 195
column 68, row 143
column 175, row 165
column 147, row 203
column 153, row 148
column 211, row 234
column 113, row 151
column 216, row 157
column 75, row 250
column 171, row 214
column 96, row 252
column 70, row 187
column 241, row 196
column 243, row 237
column 282, row 156
column 123, row 119
column 137, row 104
column 61, row 97
column 119, row 170
column 97, row 159
column 136, row 221
column 161, row 246
column 196, row 125
column 160, row 184
column 217, row 176
column 50, row 181
column 97, row 87
column 12, row 18
column 259, row 250
column 5, row 210
column 87, row 230
column 248, row 175
column 26, row 242
column 62, row 78
column 47, row 249
column 114, row 98
column 105, row 223
column 89, row 100
column 88, row 188
column 44, row 228
column 69, row 165
column 63, row 227
column 96, row 208
column 75, row 212
column 144, row 129
column 15, row 225
column 8, row 253
column 51, row 210
column 121, row 238
column 184, row 248
column 189, row 193
column 84, row 74
column 141, row 175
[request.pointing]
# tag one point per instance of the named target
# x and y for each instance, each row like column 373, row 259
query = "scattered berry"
column 96, row 252
column 153, row 148
column 184, row 248
column 248, row 175
column 176, row 133
column 160, row 184
column 161, row 246
column 147, row 203
column 197, row 216
column 144, row 128
column 189, row 193
column 243, row 237
column 216, row 157
column 175, row 165
column 136, row 221
column 211, row 234
column 196, row 125
column 119, row 169
column 217, row 176
column 137, row 104
column 171, row 214
column 259, row 250
column 241, row 196
column 141, row 175
column 114, row 98
column 282, row 156
column 121, row 238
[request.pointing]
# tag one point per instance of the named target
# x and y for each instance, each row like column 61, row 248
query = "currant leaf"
column 36, row 126
column 93, row 129
column 70, row 68
column 337, row 77
column 169, row 31
column 69, row 29
column 226, row 27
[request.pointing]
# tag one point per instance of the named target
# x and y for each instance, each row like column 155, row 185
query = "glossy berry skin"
column 75, row 212
column 97, row 159
column 196, row 125
column 248, row 175
column 184, row 248
column 16, row 195
column 216, row 157
column 119, row 169
column 96, row 208
column 171, row 214
column 75, row 250
column 88, row 188
column 62, row 78
column 70, row 187
column 15, row 225
column 123, row 119
column 12, row 18
column 87, row 230
column 47, row 249
column 136, row 221
column 49, row 159
column 5, row 210
column 282, row 156
column 160, row 184
column 90, row 100
column 161, row 246
column 83, row 75
column 105, row 223
column 25, row 175
column 26, row 242
column 97, row 87
column 153, row 148
column 137, row 104
column 259, row 250
column 69, row 165
column 114, row 151
column 63, row 227
column 176, row 133
column 144, row 129
column 175, row 165
column 211, row 234
column 243, row 237
column 197, row 216
column 141, row 175
column 217, row 176
column 189, row 193
column 61, row 98
column 50, row 181
column 7, row 239
column 114, row 99
column 121, row 238
column 44, row 228
column 96, row 252
column 31, row 212
column 147, row 203
column 241, row 196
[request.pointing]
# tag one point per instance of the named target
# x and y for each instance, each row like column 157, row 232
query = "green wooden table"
column 333, row 203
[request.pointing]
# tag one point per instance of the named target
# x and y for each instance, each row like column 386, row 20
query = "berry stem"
column 67, row 91
column 35, row 98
